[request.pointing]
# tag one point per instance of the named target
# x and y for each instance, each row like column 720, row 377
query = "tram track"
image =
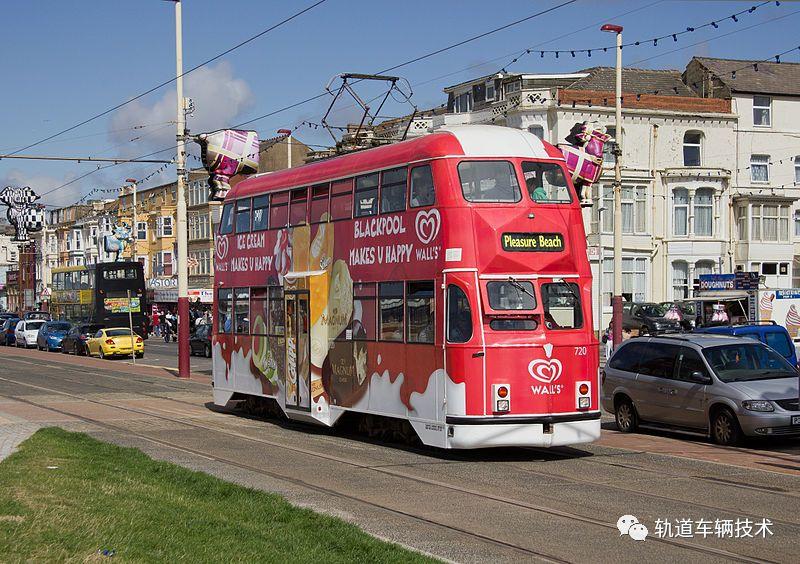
column 386, row 469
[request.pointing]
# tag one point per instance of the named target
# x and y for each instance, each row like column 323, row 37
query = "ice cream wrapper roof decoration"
column 226, row 153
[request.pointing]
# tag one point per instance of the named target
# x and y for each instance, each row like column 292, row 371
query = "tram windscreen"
column 562, row 306
column 546, row 182
column 488, row 181
column 505, row 295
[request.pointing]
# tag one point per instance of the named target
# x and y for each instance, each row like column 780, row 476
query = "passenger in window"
column 460, row 327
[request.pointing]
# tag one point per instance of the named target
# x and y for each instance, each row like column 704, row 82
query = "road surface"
column 504, row 505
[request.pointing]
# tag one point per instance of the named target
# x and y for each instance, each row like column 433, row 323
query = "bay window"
column 704, row 212
column 680, row 212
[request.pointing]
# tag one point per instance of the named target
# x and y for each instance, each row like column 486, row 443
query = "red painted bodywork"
column 505, row 356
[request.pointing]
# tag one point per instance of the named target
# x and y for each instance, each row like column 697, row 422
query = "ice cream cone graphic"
column 765, row 306
column 793, row 322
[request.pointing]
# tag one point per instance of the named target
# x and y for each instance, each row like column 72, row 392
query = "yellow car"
column 116, row 341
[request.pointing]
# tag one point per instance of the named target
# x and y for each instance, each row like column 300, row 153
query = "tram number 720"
column 580, row 351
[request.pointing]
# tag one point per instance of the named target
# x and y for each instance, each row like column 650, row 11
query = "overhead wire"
column 171, row 80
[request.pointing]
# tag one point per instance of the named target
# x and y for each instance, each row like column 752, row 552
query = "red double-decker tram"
column 443, row 281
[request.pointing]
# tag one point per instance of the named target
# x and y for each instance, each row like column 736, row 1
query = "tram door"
column 298, row 351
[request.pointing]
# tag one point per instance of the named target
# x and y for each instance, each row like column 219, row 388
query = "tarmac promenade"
column 558, row 505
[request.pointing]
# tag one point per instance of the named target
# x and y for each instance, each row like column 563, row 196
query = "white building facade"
column 677, row 163
column 765, row 98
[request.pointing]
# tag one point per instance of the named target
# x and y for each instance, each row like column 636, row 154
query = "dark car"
column 200, row 341
column 647, row 319
column 75, row 341
column 51, row 335
column 7, row 329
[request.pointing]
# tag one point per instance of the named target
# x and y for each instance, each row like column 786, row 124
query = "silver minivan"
column 721, row 385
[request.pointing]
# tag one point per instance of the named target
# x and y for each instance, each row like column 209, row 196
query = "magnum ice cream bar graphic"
column 793, row 322
column 765, row 306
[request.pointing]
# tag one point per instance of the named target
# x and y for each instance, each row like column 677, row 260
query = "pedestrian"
column 156, row 323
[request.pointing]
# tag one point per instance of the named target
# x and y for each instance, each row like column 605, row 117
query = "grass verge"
column 104, row 497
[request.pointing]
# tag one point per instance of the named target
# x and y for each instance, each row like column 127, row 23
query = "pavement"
column 500, row 505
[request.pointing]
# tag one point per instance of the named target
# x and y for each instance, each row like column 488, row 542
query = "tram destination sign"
column 532, row 242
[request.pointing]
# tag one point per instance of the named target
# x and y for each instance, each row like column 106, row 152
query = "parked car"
column 7, row 315
column 7, row 331
column 115, row 341
column 36, row 314
column 27, row 331
column 75, row 340
column 768, row 332
column 727, row 387
column 51, row 334
column 200, row 341
column 647, row 319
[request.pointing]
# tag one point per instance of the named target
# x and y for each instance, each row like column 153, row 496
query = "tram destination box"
column 532, row 242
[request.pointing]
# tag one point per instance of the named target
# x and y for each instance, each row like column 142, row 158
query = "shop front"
column 724, row 299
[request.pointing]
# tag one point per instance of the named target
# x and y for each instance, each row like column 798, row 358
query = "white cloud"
column 219, row 98
column 44, row 183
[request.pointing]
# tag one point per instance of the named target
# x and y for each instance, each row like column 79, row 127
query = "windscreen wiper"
column 515, row 283
column 569, row 287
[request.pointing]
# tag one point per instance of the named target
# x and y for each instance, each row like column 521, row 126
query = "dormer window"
column 463, row 103
column 512, row 87
column 490, row 90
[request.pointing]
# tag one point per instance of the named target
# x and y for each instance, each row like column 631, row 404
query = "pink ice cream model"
column 765, row 306
column 793, row 321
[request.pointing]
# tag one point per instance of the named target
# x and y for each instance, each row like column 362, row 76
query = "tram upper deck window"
column 342, row 199
column 297, row 212
column 226, row 223
column 319, row 203
column 367, row 195
column 243, row 215
column 546, row 182
column 489, row 181
column 279, row 210
column 562, row 305
column 393, row 190
column 508, row 295
column 260, row 213
column 422, row 191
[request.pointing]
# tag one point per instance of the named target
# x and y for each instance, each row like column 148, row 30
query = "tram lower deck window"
column 241, row 305
column 224, row 299
column 562, row 305
column 419, row 311
column 390, row 298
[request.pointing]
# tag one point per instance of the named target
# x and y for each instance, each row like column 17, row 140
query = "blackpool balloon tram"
column 442, row 281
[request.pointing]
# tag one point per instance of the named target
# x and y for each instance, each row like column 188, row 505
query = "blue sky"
column 65, row 61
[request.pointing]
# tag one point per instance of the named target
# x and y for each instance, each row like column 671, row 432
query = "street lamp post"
column 183, row 243
column 133, row 182
column 616, row 301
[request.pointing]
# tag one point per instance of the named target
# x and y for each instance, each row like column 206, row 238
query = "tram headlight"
column 501, row 398
column 583, row 394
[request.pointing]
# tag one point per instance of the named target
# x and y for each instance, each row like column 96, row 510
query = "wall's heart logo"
column 427, row 225
column 545, row 370
column 221, row 247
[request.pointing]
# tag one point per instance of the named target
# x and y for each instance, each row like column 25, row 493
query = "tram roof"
column 489, row 141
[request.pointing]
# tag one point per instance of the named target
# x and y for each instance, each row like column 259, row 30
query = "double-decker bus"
column 443, row 281
column 98, row 293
